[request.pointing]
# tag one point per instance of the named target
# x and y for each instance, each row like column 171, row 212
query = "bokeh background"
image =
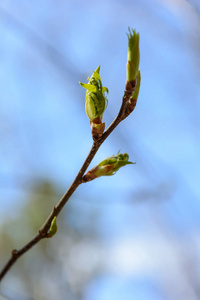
column 135, row 235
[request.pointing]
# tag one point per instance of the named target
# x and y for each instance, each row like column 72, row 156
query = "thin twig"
column 43, row 232
column 15, row 254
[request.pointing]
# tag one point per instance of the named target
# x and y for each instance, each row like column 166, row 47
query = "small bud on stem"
column 53, row 228
column 133, row 76
column 95, row 103
column 107, row 167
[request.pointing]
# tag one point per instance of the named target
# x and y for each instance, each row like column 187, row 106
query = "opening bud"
column 95, row 99
column 95, row 102
column 108, row 166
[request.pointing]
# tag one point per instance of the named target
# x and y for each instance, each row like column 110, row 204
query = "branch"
column 95, row 106
column 43, row 232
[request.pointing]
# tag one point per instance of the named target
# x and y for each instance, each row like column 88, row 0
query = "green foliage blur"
column 51, row 267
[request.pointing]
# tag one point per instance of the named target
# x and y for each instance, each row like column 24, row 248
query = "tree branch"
column 43, row 232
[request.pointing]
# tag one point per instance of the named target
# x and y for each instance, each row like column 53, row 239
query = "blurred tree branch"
column 51, row 52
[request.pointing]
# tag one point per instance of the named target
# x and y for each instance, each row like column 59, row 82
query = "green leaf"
column 89, row 87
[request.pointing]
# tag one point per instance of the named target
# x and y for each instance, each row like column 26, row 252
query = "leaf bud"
column 108, row 166
column 95, row 99
column 53, row 228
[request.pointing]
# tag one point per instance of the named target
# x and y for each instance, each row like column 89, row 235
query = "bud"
column 95, row 99
column 95, row 103
column 107, row 167
column 53, row 228
column 133, row 57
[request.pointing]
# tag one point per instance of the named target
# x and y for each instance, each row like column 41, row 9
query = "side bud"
column 53, row 228
column 95, row 103
column 108, row 167
column 133, row 57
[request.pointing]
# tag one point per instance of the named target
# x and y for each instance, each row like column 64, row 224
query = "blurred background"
column 135, row 235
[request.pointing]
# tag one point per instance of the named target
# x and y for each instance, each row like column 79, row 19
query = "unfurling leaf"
column 108, row 166
column 95, row 99
column 133, row 57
